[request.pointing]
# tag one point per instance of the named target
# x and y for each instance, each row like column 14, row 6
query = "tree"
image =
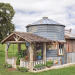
column 6, row 15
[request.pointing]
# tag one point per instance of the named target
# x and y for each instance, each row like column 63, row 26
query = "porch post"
column 31, row 57
column 19, row 47
column 6, row 52
column 44, row 52
column 58, row 48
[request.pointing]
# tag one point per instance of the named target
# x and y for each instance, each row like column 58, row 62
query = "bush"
column 39, row 66
column 7, row 65
column 18, row 61
column 49, row 63
column 21, row 54
column 22, row 69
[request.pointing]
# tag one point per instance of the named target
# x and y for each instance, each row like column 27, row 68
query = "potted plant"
column 26, row 57
column 39, row 54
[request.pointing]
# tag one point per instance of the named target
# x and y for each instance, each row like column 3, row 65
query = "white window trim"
column 60, row 51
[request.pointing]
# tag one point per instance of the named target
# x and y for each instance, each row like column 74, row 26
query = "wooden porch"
column 30, row 40
column 23, row 62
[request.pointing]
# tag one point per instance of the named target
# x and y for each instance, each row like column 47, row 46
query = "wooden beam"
column 23, row 38
column 7, row 37
column 14, row 42
column 58, row 49
column 44, row 53
column 17, row 38
column 31, row 57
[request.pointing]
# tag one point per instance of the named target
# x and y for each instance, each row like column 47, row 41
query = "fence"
column 12, row 61
column 70, row 57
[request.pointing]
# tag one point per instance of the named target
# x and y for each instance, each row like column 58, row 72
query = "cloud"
column 29, row 11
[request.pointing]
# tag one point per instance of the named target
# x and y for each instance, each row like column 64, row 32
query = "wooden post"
column 44, row 52
column 19, row 47
column 35, row 53
column 58, row 48
column 6, row 53
column 31, row 57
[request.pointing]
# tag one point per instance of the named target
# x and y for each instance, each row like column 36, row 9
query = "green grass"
column 3, row 71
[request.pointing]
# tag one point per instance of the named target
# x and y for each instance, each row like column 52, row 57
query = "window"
column 61, row 47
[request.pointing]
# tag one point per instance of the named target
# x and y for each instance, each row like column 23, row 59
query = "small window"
column 61, row 47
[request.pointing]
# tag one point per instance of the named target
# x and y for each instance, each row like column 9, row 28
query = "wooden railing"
column 38, row 62
column 24, row 63
column 12, row 61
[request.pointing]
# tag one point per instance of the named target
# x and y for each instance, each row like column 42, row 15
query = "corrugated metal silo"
column 47, row 28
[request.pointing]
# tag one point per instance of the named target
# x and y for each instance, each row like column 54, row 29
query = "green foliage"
column 22, row 69
column 7, row 65
column 39, row 65
column 21, row 53
column 39, row 53
column 6, row 15
column 49, row 63
column 63, row 71
column 18, row 61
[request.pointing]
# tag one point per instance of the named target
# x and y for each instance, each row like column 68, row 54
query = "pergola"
column 25, row 37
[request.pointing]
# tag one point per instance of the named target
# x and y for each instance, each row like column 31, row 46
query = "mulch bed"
column 11, row 69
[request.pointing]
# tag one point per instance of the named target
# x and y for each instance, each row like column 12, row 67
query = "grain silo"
column 47, row 28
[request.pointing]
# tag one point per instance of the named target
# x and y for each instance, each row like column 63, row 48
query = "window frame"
column 61, row 49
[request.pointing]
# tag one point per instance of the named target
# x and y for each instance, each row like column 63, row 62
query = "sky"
column 29, row 11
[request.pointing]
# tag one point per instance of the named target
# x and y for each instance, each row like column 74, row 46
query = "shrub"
column 22, row 69
column 7, row 65
column 21, row 53
column 49, row 63
column 39, row 65
column 18, row 61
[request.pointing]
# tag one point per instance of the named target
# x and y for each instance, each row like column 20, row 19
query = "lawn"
column 3, row 71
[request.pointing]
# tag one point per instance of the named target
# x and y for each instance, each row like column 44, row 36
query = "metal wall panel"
column 53, row 32
column 70, row 57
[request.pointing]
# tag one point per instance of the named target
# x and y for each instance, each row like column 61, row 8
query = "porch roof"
column 25, row 36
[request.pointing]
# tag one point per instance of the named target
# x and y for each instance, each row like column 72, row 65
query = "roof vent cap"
column 45, row 17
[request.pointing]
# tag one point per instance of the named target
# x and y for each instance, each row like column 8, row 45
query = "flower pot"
column 39, row 57
column 44, row 67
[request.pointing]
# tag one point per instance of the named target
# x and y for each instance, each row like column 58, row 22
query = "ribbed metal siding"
column 53, row 32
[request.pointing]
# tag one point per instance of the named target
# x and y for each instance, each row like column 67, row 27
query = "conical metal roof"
column 45, row 20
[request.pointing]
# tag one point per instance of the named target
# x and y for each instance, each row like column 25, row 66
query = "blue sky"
column 29, row 11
